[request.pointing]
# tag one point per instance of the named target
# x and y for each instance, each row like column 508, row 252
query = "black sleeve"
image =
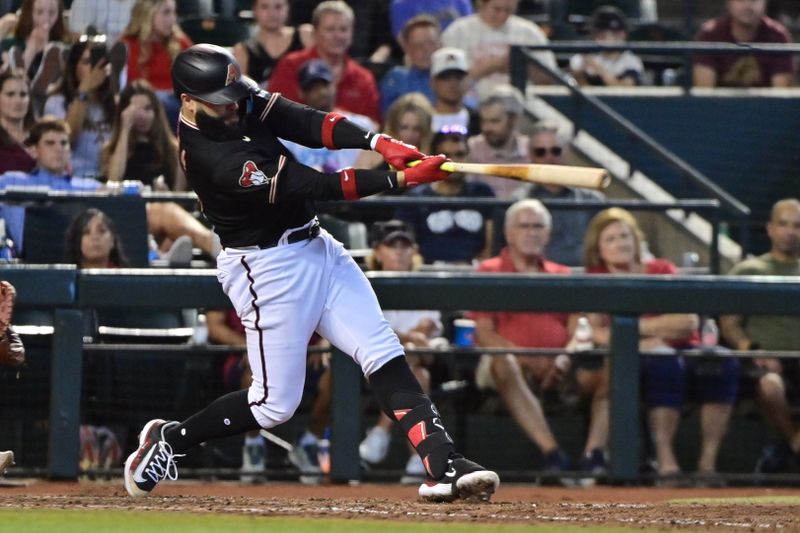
column 303, row 125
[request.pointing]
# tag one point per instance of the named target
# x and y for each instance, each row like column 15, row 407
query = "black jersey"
column 250, row 188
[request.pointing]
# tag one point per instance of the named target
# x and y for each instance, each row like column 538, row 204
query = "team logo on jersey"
column 233, row 74
column 251, row 176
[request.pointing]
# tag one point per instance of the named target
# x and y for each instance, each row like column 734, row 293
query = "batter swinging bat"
column 567, row 176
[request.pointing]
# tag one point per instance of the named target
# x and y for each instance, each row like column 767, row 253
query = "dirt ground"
column 638, row 508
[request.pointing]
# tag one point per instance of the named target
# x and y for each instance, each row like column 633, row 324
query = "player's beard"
column 219, row 130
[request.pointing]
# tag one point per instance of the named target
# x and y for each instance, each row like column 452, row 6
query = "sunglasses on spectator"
column 542, row 151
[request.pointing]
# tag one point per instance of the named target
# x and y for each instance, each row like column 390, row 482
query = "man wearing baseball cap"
column 450, row 83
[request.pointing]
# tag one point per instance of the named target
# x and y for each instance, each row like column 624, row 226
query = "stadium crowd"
column 86, row 104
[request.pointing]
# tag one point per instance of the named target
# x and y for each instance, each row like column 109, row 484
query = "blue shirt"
column 445, row 11
column 14, row 215
column 445, row 234
column 401, row 80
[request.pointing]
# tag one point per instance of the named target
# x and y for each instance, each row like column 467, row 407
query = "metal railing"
column 70, row 292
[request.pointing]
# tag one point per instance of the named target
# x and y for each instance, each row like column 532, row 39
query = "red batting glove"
column 426, row 171
column 396, row 153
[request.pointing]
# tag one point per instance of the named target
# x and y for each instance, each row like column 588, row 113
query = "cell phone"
column 98, row 53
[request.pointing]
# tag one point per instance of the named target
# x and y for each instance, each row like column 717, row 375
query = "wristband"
column 82, row 96
column 328, row 123
column 373, row 142
column 347, row 178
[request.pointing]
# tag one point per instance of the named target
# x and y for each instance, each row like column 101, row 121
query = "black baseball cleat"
column 153, row 462
column 463, row 480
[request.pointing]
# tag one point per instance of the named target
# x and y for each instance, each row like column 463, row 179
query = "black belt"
column 301, row 234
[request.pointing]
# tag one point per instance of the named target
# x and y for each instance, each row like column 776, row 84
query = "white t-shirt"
column 403, row 321
column 95, row 133
column 107, row 16
column 440, row 120
column 626, row 64
column 479, row 40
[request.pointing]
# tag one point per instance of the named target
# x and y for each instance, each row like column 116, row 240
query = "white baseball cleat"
column 153, row 462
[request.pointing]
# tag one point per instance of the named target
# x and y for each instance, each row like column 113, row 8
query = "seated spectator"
column 611, row 69
column 408, row 120
column 744, row 22
column 142, row 146
column 36, row 46
column 613, row 245
column 153, row 39
column 547, row 147
column 450, row 85
column 394, row 249
column 316, row 88
column 16, row 119
column 105, row 17
column 356, row 90
column 487, row 37
column 500, row 140
column 772, row 375
column 419, row 39
column 93, row 242
column 48, row 142
column 86, row 100
column 527, row 226
column 443, row 11
column 444, row 234
column 274, row 39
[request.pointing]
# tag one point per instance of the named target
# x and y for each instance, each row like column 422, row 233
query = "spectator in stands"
column 394, row 249
column 274, row 39
column 36, row 45
column 356, row 90
column 105, row 17
column 142, row 146
column 772, row 333
column 408, row 120
column 450, row 85
column 526, row 228
column 487, row 36
column 744, row 22
column 548, row 147
column 612, row 69
column 153, row 39
column 613, row 245
column 443, row 11
column 316, row 88
column 86, row 100
column 451, row 235
column 92, row 242
column 16, row 119
column 500, row 140
column 419, row 39
column 48, row 142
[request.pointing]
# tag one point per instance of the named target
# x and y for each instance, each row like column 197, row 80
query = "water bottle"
column 709, row 336
column 582, row 338
column 200, row 335
column 153, row 254
column 324, row 452
column 8, row 251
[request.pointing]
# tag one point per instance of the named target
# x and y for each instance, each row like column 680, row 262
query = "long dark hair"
column 70, row 82
column 72, row 250
column 160, row 135
column 25, row 24
column 16, row 74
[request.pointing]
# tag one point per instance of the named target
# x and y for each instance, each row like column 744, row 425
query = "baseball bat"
column 566, row 176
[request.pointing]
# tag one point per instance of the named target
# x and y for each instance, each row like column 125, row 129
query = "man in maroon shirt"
column 527, row 230
column 745, row 22
column 356, row 90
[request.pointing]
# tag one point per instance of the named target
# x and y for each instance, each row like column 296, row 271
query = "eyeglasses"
column 542, row 151
column 453, row 128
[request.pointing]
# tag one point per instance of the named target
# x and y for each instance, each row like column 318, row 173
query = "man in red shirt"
column 356, row 90
column 527, row 230
column 745, row 22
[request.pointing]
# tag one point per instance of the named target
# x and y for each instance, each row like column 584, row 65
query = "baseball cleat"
column 153, row 462
column 6, row 460
column 463, row 480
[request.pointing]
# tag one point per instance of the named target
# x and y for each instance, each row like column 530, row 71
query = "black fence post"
column 345, row 418
column 65, row 394
column 624, row 399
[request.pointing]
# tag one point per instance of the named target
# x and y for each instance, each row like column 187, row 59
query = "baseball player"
column 287, row 278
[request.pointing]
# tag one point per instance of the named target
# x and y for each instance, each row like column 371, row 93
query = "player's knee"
column 278, row 408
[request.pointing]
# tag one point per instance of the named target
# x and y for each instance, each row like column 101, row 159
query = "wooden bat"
column 567, row 176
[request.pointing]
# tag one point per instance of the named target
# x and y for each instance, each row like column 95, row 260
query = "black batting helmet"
column 210, row 73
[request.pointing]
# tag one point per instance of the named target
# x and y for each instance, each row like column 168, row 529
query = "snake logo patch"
column 252, row 176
